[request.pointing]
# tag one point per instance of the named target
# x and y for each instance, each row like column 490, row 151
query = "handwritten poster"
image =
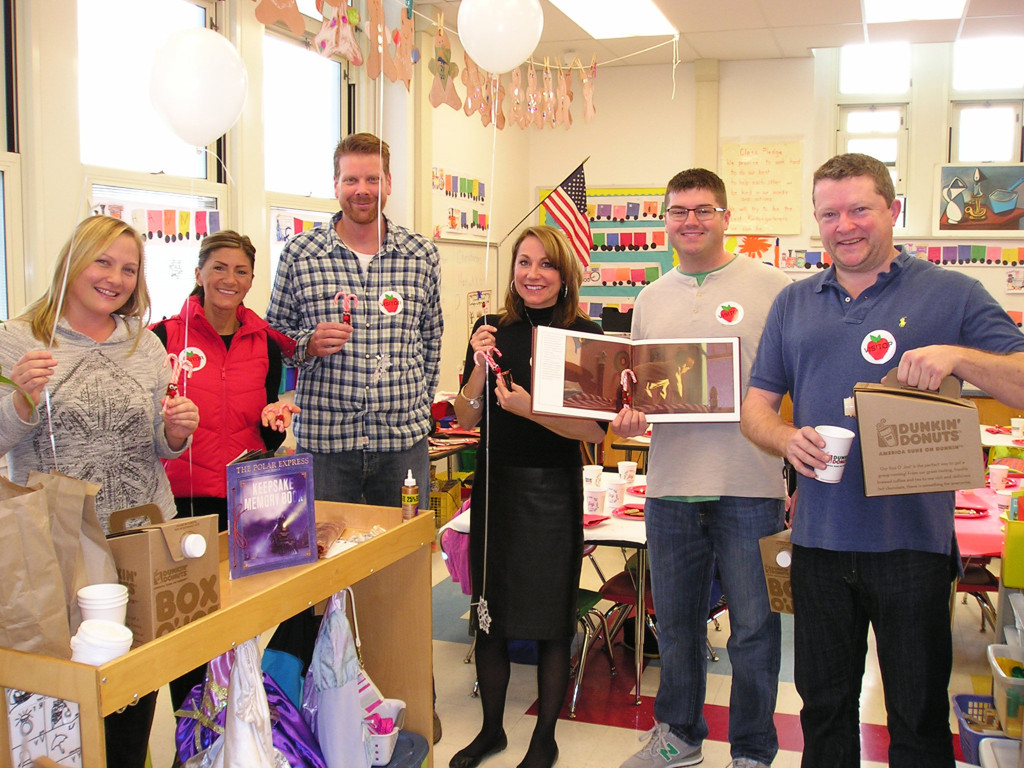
column 763, row 183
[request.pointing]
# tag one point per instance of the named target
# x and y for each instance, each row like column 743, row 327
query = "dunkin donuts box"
column 916, row 441
column 776, row 557
column 168, row 584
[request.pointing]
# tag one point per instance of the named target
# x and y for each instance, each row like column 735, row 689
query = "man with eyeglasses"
column 711, row 495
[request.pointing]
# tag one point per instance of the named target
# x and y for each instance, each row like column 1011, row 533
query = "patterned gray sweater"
column 105, row 414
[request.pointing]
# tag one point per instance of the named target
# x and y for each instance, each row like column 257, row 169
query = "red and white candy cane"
column 346, row 299
column 487, row 356
column 627, row 395
column 177, row 365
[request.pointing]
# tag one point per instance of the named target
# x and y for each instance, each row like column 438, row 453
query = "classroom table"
column 980, row 536
column 616, row 532
column 990, row 440
column 641, row 444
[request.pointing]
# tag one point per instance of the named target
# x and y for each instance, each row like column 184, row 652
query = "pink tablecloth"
column 980, row 536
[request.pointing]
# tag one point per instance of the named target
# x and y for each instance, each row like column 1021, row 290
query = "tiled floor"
column 608, row 728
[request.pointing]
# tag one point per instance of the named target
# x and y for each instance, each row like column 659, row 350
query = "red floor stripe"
column 607, row 699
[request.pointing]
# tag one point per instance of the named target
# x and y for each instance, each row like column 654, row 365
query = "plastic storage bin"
column 410, row 751
column 1008, row 691
column 970, row 737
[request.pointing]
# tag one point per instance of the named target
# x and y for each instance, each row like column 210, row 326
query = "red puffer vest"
column 228, row 387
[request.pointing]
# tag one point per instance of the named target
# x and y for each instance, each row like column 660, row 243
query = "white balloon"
column 499, row 35
column 198, row 85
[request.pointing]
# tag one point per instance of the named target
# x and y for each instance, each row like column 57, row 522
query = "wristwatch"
column 474, row 402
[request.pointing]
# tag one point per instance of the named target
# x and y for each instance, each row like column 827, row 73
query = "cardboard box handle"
column 949, row 387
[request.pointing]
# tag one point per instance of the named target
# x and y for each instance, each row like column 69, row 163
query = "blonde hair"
column 560, row 253
column 88, row 242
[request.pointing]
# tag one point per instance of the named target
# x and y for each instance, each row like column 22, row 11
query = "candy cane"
column 487, row 356
column 627, row 397
column 346, row 315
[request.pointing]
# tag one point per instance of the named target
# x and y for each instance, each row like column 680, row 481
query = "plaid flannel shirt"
column 375, row 394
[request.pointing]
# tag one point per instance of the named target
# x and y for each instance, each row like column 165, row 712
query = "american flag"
column 567, row 205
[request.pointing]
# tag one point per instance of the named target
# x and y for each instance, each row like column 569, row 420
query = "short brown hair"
column 226, row 238
column 698, row 178
column 855, row 164
column 560, row 253
column 363, row 144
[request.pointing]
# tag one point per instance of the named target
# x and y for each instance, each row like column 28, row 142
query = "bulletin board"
column 459, row 209
column 763, row 180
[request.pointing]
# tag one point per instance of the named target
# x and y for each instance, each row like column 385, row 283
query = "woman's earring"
column 565, row 290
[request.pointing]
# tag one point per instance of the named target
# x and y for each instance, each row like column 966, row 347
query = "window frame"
column 17, row 267
column 901, row 135
column 956, row 106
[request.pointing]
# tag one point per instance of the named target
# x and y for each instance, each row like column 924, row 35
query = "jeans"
column 362, row 477
column 904, row 595
column 684, row 541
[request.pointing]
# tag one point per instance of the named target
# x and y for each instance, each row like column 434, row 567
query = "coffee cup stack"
column 102, row 635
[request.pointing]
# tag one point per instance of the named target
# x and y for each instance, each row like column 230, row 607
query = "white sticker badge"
column 878, row 347
column 390, row 303
column 192, row 359
column 729, row 313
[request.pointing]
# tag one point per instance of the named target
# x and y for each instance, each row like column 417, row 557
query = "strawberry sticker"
column 390, row 303
column 192, row 358
column 729, row 313
column 878, row 347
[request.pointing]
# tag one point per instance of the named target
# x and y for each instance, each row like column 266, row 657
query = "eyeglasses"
column 702, row 212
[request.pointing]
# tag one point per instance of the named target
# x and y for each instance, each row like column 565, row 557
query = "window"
column 988, row 63
column 986, row 132
column 118, row 125
column 874, row 69
column 171, row 226
column 285, row 222
column 878, row 130
column 12, row 277
column 302, row 94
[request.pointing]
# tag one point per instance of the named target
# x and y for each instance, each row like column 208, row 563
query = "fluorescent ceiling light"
column 885, row 11
column 606, row 19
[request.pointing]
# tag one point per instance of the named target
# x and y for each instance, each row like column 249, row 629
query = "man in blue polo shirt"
column 885, row 561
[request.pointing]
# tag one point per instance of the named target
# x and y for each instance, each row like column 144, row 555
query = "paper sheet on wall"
column 763, row 182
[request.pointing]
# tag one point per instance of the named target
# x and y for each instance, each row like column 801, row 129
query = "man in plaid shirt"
column 366, row 381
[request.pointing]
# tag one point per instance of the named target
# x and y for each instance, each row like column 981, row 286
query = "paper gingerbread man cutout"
column 474, row 81
column 549, row 103
column 337, row 35
column 494, row 95
column 517, row 112
column 564, row 114
column 442, row 90
column 533, row 99
column 378, row 57
column 588, row 78
column 271, row 11
column 405, row 54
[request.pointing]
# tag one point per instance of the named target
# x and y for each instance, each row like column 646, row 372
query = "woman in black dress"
column 526, row 539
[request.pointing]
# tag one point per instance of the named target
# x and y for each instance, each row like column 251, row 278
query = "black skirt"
column 534, row 530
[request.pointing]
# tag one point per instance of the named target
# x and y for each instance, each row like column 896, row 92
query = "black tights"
column 492, row 673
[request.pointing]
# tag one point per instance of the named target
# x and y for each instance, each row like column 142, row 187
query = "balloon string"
column 59, row 311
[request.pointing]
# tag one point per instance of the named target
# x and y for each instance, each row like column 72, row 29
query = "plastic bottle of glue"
column 410, row 497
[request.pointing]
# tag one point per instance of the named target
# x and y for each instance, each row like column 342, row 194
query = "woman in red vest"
column 232, row 360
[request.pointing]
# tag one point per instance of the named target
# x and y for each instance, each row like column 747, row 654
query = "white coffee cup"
column 104, row 602
column 837, row 446
column 1017, row 427
column 997, row 476
column 592, row 475
column 98, row 642
column 627, row 471
column 616, row 492
column 595, row 500
column 1003, row 500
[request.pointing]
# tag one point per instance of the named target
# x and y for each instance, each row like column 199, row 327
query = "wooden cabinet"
column 390, row 575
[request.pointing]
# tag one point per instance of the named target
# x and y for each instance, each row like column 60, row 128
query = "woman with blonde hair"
column 107, row 417
column 526, row 539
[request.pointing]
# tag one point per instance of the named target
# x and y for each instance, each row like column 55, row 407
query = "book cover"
column 588, row 375
column 271, row 521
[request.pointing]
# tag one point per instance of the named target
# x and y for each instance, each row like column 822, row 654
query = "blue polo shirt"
column 818, row 342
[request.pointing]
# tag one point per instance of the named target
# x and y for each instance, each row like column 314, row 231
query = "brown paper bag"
column 78, row 539
column 33, row 612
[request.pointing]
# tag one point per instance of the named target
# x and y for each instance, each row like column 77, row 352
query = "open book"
column 593, row 376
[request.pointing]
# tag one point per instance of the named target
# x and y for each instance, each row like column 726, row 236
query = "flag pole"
column 532, row 210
